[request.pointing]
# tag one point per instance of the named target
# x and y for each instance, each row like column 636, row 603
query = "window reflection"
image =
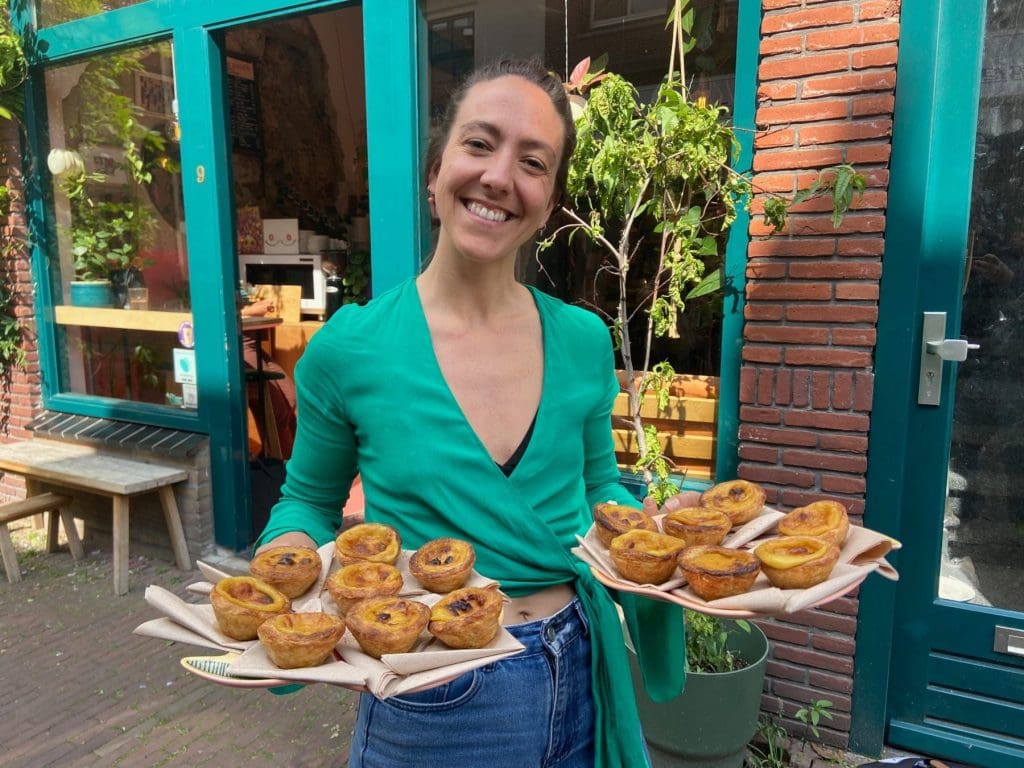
column 50, row 12
column 121, row 271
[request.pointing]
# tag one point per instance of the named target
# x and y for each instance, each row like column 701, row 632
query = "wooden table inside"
column 85, row 468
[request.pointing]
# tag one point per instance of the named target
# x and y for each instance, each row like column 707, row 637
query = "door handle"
column 935, row 349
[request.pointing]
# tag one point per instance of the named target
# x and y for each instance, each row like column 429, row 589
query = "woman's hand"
column 681, row 500
column 258, row 308
column 290, row 539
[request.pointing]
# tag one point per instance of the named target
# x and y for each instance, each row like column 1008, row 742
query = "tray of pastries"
column 734, row 556
column 361, row 612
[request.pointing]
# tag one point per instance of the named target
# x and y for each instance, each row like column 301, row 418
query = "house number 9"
column 200, row 174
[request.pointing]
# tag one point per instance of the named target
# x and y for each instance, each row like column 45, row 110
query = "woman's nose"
column 497, row 174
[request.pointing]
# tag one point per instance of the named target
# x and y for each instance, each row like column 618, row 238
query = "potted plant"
column 710, row 724
column 651, row 188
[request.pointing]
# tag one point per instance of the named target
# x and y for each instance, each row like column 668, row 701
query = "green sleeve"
column 659, row 639
column 323, row 462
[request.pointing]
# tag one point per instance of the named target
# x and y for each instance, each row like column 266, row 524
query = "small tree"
column 658, row 176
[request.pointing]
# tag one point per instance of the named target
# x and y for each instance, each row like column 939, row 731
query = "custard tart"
column 466, row 618
column 715, row 572
column 442, row 565
column 371, row 542
column 387, row 624
column 242, row 603
column 611, row 520
column 645, row 557
column 741, row 500
column 358, row 581
column 294, row 640
column 291, row 570
column 825, row 519
column 797, row 562
column 697, row 525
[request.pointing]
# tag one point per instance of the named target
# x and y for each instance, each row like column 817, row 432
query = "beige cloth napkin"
column 863, row 552
column 198, row 618
column 165, row 629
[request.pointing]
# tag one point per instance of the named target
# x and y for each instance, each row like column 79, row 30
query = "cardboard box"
column 280, row 235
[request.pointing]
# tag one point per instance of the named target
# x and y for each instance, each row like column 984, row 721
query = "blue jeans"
column 531, row 710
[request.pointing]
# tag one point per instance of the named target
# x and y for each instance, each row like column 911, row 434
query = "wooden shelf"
column 126, row 319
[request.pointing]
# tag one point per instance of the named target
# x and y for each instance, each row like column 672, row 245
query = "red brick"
column 761, row 311
column 818, row 17
column 844, row 605
column 884, row 56
column 748, row 379
column 834, row 133
column 778, row 475
column 842, row 484
column 834, row 644
column 868, row 153
column 774, row 160
column 777, row 137
column 821, row 460
column 766, row 270
column 783, row 386
column 857, row 291
column 843, row 422
column 861, row 246
column 778, row 90
column 854, row 337
column 786, row 334
column 859, row 270
column 789, row 291
column 782, row 182
column 859, row 82
column 782, row 671
column 761, row 454
column 754, row 354
column 760, row 415
column 803, row 111
column 873, row 105
column 833, row 358
column 871, row 199
column 843, row 442
column 829, row 682
column 789, row 67
column 788, row 44
column 807, row 695
column 778, row 436
column 822, row 225
column 862, row 34
column 879, row 9
column 820, row 386
column 864, row 388
column 842, row 390
column 820, row 620
column 777, row 629
column 765, row 387
column 792, row 247
column 816, row 659
column 831, row 313
column 801, row 388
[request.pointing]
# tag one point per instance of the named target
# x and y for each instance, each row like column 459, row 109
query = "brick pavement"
column 81, row 690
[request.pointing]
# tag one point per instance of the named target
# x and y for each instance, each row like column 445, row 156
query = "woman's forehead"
column 511, row 103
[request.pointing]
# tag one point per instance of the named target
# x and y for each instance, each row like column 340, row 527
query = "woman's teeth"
column 486, row 213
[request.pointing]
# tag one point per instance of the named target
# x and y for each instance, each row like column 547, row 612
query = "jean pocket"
column 450, row 695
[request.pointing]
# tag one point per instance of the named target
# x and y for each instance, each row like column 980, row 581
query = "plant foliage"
column 707, row 648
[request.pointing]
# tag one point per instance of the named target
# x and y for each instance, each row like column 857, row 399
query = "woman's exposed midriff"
column 539, row 605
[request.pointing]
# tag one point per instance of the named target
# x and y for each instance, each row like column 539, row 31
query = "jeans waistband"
column 554, row 631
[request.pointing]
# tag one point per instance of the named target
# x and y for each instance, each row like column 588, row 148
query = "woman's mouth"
column 489, row 214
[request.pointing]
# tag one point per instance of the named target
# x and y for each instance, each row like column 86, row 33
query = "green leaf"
column 712, row 283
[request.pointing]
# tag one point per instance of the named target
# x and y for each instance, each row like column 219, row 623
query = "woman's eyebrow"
column 494, row 131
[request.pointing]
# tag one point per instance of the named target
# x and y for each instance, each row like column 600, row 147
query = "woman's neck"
column 472, row 292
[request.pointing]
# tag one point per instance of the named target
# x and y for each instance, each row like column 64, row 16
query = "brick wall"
column 19, row 388
column 826, row 83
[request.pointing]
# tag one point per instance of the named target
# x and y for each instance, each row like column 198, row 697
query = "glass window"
column 637, row 47
column 50, row 12
column 119, row 265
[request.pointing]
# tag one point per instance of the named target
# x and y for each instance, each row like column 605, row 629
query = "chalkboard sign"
column 244, row 100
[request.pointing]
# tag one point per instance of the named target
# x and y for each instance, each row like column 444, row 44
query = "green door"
column 947, row 463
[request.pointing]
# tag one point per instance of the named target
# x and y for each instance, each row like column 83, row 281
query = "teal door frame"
column 193, row 26
column 926, row 238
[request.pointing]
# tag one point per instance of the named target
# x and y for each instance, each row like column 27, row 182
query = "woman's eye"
column 535, row 165
column 476, row 144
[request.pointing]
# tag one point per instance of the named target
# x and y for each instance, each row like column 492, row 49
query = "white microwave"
column 302, row 269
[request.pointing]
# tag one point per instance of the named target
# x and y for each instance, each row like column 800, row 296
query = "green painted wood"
column 213, row 275
column 973, row 747
column 125, row 410
column 932, row 163
column 395, row 130
column 744, row 105
column 954, row 673
column 970, row 629
column 970, row 709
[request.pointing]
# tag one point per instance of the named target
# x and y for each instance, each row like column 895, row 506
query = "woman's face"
column 494, row 184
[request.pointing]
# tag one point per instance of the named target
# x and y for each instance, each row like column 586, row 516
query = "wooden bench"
column 85, row 468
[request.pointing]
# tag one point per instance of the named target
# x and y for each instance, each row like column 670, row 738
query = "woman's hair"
column 530, row 70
